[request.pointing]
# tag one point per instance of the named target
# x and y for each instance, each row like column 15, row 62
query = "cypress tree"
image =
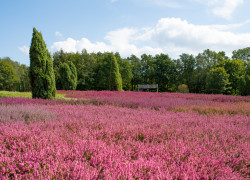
column 73, row 75
column 41, row 68
column 68, row 76
column 115, row 80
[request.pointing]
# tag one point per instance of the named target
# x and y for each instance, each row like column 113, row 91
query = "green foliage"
column 159, row 70
column 27, row 95
column 73, row 75
column 209, row 59
column 102, row 73
column 115, row 80
column 183, row 88
column 24, row 80
column 58, row 58
column 21, row 75
column 204, row 62
column 65, row 73
column 15, row 94
column 125, row 70
column 68, row 76
column 136, row 71
column 236, row 70
column 164, row 72
column 86, row 68
column 217, row 81
column 148, row 67
column 185, row 67
column 41, row 69
column 7, row 76
column 107, row 76
column 243, row 54
column 245, row 81
column 94, row 71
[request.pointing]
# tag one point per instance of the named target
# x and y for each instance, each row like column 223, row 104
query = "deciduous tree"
column 217, row 81
column 7, row 78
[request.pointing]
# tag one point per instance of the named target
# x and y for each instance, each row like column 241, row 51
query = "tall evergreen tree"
column 41, row 68
column 73, row 76
column 115, row 79
column 68, row 76
column 108, row 76
column 125, row 71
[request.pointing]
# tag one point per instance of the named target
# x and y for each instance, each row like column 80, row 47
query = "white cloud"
column 161, row 3
column 165, row 3
column 230, row 26
column 112, row 1
column 172, row 36
column 58, row 34
column 179, row 34
column 72, row 45
column 227, row 8
column 121, row 40
column 222, row 8
column 24, row 49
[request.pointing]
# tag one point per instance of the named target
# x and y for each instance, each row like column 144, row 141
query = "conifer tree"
column 41, row 69
column 115, row 80
column 68, row 76
column 73, row 75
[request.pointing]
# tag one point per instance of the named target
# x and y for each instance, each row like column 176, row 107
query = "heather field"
column 125, row 135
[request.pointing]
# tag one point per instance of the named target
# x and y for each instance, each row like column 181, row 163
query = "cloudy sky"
column 125, row 26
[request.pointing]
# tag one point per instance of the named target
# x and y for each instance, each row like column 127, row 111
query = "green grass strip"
column 27, row 95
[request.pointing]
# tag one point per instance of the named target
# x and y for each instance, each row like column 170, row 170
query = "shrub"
column 183, row 88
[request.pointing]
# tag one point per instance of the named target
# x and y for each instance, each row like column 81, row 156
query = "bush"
column 183, row 88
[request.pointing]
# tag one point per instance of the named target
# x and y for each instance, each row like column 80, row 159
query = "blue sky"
column 125, row 26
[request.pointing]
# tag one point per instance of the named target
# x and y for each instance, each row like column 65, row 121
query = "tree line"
column 13, row 76
column 208, row 72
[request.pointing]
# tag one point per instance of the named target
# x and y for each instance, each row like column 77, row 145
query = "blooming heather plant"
column 25, row 113
column 110, row 142
column 236, row 108
column 152, row 100
column 23, row 101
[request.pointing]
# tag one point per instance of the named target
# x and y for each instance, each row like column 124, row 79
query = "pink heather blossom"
column 66, row 140
column 153, row 100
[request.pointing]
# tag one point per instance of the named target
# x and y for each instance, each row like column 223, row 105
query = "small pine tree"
column 41, row 69
column 115, row 79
